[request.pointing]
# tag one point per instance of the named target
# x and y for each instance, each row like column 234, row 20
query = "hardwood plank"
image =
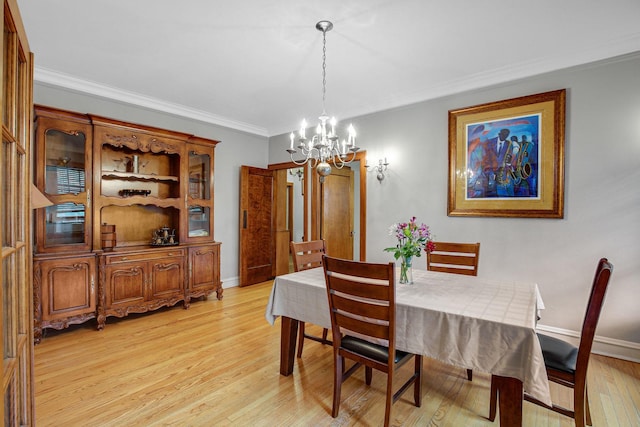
column 217, row 363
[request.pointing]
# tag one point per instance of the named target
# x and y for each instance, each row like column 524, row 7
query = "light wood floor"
column 217, row 364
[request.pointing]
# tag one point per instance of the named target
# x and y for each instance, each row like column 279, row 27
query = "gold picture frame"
column 506, row 158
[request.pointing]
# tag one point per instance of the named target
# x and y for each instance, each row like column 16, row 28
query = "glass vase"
column 406, row 270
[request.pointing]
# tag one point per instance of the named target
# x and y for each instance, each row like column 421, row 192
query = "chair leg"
column 493, row 400
column 300, row 338
column 470, row 374
column 417, row 386
column 586, row 398
column 579, row 409
column 338, row 369
column 368, row 374
column 325, row 331
column 387, row 410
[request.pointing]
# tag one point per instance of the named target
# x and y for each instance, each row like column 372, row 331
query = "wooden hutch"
column 131, row 225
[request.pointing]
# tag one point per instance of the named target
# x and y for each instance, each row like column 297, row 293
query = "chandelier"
column 325, row 146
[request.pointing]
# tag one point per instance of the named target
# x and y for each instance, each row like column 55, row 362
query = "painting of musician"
column 502, row 158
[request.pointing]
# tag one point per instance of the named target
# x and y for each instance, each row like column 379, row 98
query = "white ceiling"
column 255, row 65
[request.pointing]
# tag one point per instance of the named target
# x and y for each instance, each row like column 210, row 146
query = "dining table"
column 473, row 322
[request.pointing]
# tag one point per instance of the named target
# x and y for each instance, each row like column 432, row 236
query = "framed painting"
column 506, row 158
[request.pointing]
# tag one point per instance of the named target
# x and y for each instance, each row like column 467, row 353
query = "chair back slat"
column 360, row 308
column 307, row 255
column 459, row 258
column 360, row 288
column 362, row 327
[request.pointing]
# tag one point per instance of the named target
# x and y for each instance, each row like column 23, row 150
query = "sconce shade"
column 38, row 200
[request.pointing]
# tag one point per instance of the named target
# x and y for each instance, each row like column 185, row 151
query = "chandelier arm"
column 299, row 162
column 340, row 162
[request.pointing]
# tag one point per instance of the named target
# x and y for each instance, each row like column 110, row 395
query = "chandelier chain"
column 324, row 70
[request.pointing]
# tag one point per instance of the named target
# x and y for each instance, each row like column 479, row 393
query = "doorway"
column 328, row 199
column 311, row 204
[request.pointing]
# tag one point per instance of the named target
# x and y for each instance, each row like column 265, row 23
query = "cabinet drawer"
column 144, row 256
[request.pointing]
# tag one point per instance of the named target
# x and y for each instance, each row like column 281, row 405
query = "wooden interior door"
column 336, row 214
column 257, row 225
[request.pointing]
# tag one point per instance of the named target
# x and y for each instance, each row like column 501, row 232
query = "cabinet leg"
column 102, row 319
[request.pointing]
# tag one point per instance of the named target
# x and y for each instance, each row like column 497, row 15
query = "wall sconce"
column 297, row 172
column 381, row 168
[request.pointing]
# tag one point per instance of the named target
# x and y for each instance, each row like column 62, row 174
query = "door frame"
column 316, row 200
column 314, row 203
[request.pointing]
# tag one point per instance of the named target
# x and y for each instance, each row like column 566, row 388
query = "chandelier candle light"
column 325, row 145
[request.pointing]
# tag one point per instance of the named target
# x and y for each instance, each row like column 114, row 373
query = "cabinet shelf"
column 141, row 200
column 129, row 176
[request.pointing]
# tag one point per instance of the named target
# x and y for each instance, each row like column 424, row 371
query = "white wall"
column 602, row 196
column 235, row 149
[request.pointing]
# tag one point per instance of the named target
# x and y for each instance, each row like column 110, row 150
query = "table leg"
column 509, row 399
column 288, row 335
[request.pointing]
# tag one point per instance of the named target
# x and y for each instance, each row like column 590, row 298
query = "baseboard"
column 625, row 350
column 231, row 282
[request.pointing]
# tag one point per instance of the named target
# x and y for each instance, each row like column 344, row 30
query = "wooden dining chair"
column 566, row 364
column 458, row 258
column 362, row 307
column 307, row 255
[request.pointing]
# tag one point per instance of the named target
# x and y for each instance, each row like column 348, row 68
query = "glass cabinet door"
column 65, row 224
column 65, row 162
column 200, row 223
column 63, row 174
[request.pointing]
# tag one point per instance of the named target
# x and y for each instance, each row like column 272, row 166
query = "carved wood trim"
column 145, row 145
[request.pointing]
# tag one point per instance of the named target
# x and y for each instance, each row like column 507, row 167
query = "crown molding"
column 52, row 78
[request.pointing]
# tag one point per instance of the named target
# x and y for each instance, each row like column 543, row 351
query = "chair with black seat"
column 567, row 365
column 362, row 307
column 307, row 255
column 458, row 258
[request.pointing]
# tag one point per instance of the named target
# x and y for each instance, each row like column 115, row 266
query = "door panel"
column 257, row 225
column 167, row 278
column 126, row 284
column 336, row 220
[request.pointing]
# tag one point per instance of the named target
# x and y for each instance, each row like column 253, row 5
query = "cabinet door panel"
column 125, row 284
column 167, row 278
column 70, row 289
column 64, row 173
column 205, row 274
column 64, row 292
column 199, row 190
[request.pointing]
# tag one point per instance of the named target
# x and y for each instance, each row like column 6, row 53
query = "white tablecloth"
column 465, row 321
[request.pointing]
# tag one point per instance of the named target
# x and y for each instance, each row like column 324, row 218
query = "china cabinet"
column 137, row 199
